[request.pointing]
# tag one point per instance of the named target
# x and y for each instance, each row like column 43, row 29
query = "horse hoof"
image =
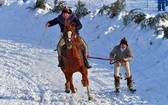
column 75, row 90
column 90, row 98
column 85, row 83
column 67, row 91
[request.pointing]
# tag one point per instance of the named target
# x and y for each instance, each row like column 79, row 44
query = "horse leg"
column 88, row 93
column 72, row 86
column 85, row 80
column 67, row 84
column 67, row 87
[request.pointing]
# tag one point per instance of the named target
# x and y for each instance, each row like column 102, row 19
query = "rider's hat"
column 66, row 10
column 124, row 41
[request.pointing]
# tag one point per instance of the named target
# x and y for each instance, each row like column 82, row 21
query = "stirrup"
column 87, row 64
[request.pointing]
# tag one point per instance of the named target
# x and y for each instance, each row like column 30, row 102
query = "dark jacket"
column 61, row 20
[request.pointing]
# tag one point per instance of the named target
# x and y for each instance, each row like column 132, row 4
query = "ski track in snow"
column 27, row 75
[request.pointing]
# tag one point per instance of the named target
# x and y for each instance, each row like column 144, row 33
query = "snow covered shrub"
column 115, row 8
column 165, row 30
column 153, row 21
column 112, row 10
column 40, row 4
column 163, row 16
column 133, row 16
column 150, row 22
column 58, row 6
column 139, row 17
column 103, row 9
column 81, row 10
column 127, row 19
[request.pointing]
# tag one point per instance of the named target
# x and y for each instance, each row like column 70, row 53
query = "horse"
column 73, row 58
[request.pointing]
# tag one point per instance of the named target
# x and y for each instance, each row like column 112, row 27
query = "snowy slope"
column 30, row 75
column 28, row 65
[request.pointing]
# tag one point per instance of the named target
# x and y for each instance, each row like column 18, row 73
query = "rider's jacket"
column 61, row 20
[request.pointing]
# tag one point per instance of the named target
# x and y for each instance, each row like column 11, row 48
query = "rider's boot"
column 84, row 50
column 86, row 63
column 129, row 83
column 61, row 63
column 117, row 83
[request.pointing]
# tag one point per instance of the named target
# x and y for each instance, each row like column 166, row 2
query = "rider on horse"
column 61, row 19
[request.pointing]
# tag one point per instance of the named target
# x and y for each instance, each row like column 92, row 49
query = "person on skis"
column 121, row 55
column 61, row 19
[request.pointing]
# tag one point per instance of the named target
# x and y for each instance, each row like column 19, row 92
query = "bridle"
column 70, row 34
column 69, row 41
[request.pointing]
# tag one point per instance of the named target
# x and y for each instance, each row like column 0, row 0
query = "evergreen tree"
column 114, row 9
column 58, row 6
column 81, row 10
column 40, row 4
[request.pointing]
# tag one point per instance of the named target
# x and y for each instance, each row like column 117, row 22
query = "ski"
column 132, row 90
column 117, row 90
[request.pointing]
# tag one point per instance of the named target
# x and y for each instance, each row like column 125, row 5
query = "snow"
column 28, row 65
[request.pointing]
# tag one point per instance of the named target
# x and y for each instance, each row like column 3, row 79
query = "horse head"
column 70, row 34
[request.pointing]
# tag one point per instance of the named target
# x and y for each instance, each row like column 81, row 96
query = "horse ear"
column 73, row 24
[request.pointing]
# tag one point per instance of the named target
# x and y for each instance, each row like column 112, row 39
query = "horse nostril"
column 69, row 39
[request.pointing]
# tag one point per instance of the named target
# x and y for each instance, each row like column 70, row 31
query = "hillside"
column 28, row 65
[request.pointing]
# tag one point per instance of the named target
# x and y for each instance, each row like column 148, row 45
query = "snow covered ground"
column 28, row 65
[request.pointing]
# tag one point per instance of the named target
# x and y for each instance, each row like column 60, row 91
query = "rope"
column 100, row 58
column 42, row 36
column 116, row 59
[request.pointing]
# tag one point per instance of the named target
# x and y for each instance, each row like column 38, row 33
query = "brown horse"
column 73, row 58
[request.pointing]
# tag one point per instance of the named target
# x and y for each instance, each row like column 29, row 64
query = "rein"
column 100, row 58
